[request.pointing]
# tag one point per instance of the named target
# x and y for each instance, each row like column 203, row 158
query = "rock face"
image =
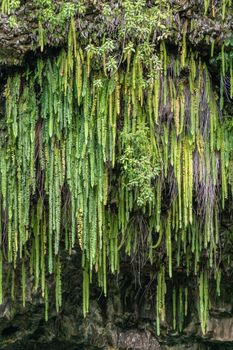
column 134, row 339
column 123, row 320
column 126, row 318
column 221, row 329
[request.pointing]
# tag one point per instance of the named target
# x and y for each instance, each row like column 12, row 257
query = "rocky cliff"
column 116, row 180
column 123, row 320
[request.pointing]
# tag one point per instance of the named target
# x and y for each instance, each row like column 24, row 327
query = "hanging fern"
column 132, row 163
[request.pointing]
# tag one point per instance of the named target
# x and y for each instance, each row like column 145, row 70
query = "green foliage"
column 224, row 59
column 6, row 6
column 13, row 21
column 137, row 168
column 9, row 6
column 203, row 300
column 140, row 21
column 114, row 159
column 160, row 298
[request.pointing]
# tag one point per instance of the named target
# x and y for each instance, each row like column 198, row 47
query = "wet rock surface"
column 123, row 320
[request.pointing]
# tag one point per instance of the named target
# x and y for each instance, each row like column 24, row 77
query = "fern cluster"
column 134, row 163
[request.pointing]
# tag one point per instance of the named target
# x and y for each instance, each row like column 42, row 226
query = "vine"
column 139, row 160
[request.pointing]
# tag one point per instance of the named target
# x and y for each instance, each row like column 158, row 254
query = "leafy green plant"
column 10, row 5
column 140, row 21
column 137, row 168
column 58, row 171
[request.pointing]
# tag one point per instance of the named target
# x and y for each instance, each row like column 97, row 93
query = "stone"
column 221, row 329
column 137, row 340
